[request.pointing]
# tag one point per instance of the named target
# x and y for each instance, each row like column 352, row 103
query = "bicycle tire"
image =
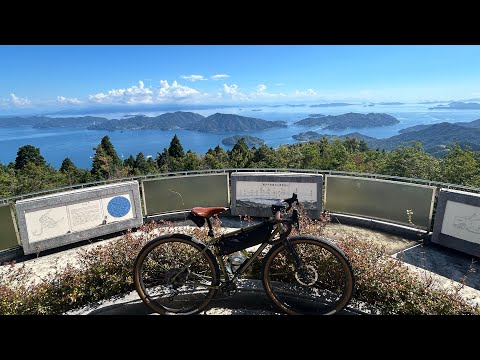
column 173, row 277
column 326, row 285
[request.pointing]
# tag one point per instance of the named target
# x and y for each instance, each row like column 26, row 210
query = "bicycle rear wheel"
column 173, row 275
column 323, row 285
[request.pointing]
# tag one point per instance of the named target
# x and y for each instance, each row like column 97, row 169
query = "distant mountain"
column 230, row 122
column 434, row 138
column 215, row 123
column 331, row 104
column 413, row 128
column 167, row 121
column 458, row 105
column 437, row 136
column 314, row 136
column 250, row 140
column 81, row 122
column 15, row 121
column 431, row 102
column 472, row 124
column 316, row 115
column 349, row 120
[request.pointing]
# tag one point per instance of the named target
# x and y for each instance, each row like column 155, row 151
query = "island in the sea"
column 216, row 123
column 349, row 120
column 434, row 138
column 331, row 105
column 251, row 141
column 457, row 105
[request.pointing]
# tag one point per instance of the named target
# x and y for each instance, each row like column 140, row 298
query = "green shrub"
column 384, row 284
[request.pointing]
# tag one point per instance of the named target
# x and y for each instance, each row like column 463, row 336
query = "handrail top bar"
column 236, row 170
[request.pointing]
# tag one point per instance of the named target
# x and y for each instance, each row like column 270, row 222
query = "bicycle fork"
column 293, row 255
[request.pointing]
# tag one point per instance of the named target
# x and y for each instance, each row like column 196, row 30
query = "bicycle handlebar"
column 290, row 201
column 277, row 207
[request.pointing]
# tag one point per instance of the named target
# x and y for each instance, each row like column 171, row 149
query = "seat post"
column 210, row 228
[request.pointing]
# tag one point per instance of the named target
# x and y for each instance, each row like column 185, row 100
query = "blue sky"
column 58, row 77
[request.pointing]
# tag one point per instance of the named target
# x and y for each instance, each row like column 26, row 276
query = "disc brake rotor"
column 307, row 275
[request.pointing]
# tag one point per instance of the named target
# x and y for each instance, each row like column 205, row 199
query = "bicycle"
column 304, row 274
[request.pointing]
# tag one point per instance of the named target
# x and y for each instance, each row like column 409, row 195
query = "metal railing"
column 236, row 170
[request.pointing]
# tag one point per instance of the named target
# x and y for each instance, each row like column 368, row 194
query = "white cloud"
column 234, row 92
column 280, row 84
column 309, row 92
column 65, row 100
column 230, row 90
column 147, row 95
column 175, row 91
column 219, row 76
column 262, row 93
column 133, row 95
column 261, row 89
column 193, row 78
column 18, row 101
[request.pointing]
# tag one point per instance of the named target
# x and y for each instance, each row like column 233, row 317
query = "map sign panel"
column 44, row 224
column 462, row 221
column 265, row 193
column 457, row 221
column 59, row 219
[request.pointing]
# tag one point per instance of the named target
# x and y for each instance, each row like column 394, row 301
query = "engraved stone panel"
column 59, row 219
column 85, row 215
column 457, row 221
column 254, row 193
column 462, row 221
column 47, row 223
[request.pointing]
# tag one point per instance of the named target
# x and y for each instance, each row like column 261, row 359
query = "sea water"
column 55, row 144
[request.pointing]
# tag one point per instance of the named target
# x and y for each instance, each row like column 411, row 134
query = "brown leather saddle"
column 208, row 212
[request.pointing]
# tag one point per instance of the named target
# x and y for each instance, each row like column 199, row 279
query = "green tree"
column 106, row 164
column 129, row 162
column 311, row 156
column 28, row 154
column 461, row 167
column 175, row 149
column 71, row 172
column 191, row 161
column 67, row 165
column 8, row 182
column 110, row 150
column 216, row 158
column 411, row 161
column 32, row 178
column 141, row 163
column 264, row 157
column 240, row 155
column 151, row 166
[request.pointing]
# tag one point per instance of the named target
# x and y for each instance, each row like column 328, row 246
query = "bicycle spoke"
column 175, row 276
column 315, row 280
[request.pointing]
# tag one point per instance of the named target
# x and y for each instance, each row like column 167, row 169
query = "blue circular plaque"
column 118, row 206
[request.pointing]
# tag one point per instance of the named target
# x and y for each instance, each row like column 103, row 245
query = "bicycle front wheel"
column 174, row 274
column 316, row 279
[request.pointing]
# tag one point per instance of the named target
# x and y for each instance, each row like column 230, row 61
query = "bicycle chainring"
column 176, row 277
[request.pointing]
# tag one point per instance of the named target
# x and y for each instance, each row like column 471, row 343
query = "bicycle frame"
column 246, row 264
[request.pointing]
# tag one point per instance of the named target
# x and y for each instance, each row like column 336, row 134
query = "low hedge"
column 384, row 285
